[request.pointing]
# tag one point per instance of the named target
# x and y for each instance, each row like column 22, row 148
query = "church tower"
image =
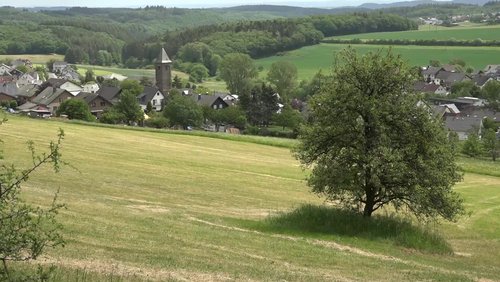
column 163, row 72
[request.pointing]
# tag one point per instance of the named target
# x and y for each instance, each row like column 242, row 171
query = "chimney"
column 199, row 97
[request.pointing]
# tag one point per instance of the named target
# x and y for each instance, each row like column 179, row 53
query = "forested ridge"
column 132, row 36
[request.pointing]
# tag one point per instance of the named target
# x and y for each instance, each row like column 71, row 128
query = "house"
column 110, row 93
column 70, row 74
column 90, row 87
column 481, row 80
column 212, row 101
column 34, row 110
column 5, row 69
column 97, row 103
column 151, row 95
column 69, row 86
column 447, row 78
column 29, row 78
column 434, row 89
column 464, row 126
column 51, row 98
column 5, row 97
column 429, row 73
column 26, row 93
column 58, row 67
column 482, row 112
column 9, row 89
column 491, row 69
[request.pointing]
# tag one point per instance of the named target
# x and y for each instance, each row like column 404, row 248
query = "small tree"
column 89, row 76
column 129, row 107
column 237, row 70
column 370, row 145
column 288, row 118
column 183, row 111
column 472, row 146
column 283, row 75
column 75, row 109
column 27, row 231
column 491, row 144
column 149, row 108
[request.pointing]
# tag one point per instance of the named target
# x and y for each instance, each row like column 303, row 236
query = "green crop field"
column 35, row 59
column 168, row 207
column 130, row 73
column 309, row 60
column 433, row 32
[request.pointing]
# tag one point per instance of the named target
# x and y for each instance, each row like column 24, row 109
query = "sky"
column 184, row 3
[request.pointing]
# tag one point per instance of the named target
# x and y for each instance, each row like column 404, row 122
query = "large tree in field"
column 370, row 144
column 237, row 70
column 283, row 75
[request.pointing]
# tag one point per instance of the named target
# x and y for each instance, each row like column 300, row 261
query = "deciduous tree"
column 370, row 145
column 283, row 75
column 237, row 70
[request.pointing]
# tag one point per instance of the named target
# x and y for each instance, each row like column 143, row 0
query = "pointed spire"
column 163, row 57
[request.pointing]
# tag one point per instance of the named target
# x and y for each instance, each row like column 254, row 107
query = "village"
column 27, row 93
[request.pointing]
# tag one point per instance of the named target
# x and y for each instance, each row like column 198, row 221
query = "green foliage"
column 472, row 146
column 237, row 70
column 149, row 108
column 491, row 144
column 312, row 219
column 465, row 89
column 75, row 109
column 183, row 111
column 157, row 121
column 27, row 231
column 369, row 145
column 176, row 82
column 283, row 75
column 491, row 92
column 129, row 107
column 260, row 104
column 133, row 86
column 89, row 76
column 112, row 116
column 288, row 118
column 197, row 73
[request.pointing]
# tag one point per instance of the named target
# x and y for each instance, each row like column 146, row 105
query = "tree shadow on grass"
column 311, row 219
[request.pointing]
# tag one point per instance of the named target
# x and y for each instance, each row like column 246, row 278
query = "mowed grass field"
column 309, row 60
column 432, row 32
column 35, row 59
column 130, row 73
column 167, row 207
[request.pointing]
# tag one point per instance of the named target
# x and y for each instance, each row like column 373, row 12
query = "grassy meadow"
column 485, row 32
column 35, row 59
column 309, row 60
column 151, row 206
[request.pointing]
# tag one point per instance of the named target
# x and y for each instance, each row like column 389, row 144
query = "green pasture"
column 309, row 60
column 151, row 206
column 433, row 32
column 130, row 73
column 35, row 59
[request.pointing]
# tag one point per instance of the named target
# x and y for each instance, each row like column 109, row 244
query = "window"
column 220, row 106
column 93, row 104
column 103, row 103
column 154, row 102
column 215, row 107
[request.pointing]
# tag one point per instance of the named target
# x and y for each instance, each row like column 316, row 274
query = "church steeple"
column 163, row 72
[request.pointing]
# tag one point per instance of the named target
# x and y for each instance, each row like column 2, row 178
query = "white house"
column 90, row 87
column 151, row 95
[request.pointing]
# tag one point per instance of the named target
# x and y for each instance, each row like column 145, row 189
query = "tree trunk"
column 370, row 203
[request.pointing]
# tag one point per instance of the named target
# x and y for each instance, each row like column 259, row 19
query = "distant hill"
column 290, row 11
column 374, row 6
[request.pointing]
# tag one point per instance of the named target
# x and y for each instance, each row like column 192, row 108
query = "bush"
column 75, row 109
column 157, row 122
column 112, row 116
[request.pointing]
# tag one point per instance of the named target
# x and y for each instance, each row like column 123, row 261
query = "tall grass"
column 328, row 220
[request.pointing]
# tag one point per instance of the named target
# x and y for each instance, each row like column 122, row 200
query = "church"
column 163, row 84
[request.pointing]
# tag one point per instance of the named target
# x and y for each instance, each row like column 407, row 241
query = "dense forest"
column 132, row 37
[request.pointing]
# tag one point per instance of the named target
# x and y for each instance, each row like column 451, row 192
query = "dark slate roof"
column 431, row 70
column 87, row 97
column 109, row 93
column 480, row 80
column 455, row 77
column 48, row 95
column 56, row 82
column 430, row 88
column 207, row 100
column 463, row 124
column 482, row 113
column 419, row 85
column 147, row 95
column 27, row 90
column 9, row 88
